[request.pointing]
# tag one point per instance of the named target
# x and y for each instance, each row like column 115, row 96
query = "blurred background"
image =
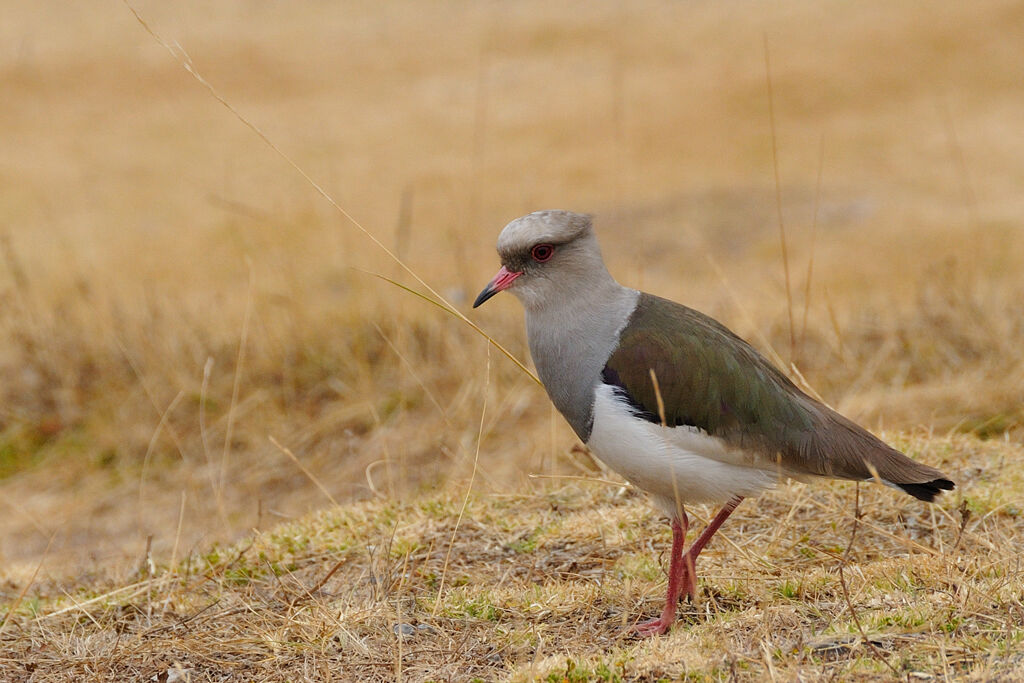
column 173, row 294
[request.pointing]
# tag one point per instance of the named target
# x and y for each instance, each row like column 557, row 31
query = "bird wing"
column 710, row 379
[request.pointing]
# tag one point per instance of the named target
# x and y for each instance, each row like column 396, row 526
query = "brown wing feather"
column 711, row 379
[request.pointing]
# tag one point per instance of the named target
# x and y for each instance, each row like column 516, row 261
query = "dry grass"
column 545, row 586
column 172, row 296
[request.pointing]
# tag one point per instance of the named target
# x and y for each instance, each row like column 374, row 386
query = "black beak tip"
column 484, row 296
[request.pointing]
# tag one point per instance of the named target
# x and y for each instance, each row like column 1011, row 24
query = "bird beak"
column 503, row 280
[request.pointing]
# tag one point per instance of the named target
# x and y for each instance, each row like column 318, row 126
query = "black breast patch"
column 611, row 377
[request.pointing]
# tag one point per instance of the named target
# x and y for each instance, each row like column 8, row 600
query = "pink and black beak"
column 503, row 280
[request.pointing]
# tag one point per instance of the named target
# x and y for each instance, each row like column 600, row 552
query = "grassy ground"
column 545, row 586
column 191, row 347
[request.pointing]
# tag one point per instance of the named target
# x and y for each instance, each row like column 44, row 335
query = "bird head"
column 544, row 254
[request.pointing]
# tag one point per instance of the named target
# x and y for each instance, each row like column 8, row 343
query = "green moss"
column 463, row 606
column 435, row 509
column 240, row 576
column 638, row 566
column 404, row 546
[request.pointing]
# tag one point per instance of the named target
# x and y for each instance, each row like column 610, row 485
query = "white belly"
column 674, row 464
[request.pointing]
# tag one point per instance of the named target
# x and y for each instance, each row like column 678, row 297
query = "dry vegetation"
column 173, row 295
column 545, row 586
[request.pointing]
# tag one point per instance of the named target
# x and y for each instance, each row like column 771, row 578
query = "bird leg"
column 676, row 572
column 690, row 558
column 682, row 572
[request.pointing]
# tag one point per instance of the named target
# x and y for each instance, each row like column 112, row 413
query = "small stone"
column 176, row 675
column 404, row 630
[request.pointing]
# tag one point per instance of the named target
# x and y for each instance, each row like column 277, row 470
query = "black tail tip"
column 928, row 490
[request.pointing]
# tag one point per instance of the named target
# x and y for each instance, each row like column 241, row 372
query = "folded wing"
column 710, row 379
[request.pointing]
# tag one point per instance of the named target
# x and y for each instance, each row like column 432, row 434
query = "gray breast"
column 570, row 347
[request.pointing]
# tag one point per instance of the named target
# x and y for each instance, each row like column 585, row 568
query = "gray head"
column 547, row 256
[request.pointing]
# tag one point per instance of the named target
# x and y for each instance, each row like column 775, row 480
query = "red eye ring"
column 542, row 252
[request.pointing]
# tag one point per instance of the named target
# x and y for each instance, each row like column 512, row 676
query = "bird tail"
column 928, row 490
column 858, row 454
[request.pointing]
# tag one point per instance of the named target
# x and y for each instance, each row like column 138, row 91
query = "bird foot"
column 652, row 627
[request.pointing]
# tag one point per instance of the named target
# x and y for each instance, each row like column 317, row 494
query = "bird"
column 670, row 398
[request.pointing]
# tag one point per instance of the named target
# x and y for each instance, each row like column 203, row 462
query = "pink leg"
column 682, row 572
column 690, row 558
column 676, row 571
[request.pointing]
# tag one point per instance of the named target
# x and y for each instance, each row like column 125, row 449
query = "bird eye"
column 542, row 252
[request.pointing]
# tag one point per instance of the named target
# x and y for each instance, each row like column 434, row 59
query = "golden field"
column 195, row 346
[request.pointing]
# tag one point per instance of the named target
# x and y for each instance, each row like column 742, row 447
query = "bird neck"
column 571, row 339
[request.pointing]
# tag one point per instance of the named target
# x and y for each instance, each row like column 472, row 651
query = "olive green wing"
column 709, row 379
